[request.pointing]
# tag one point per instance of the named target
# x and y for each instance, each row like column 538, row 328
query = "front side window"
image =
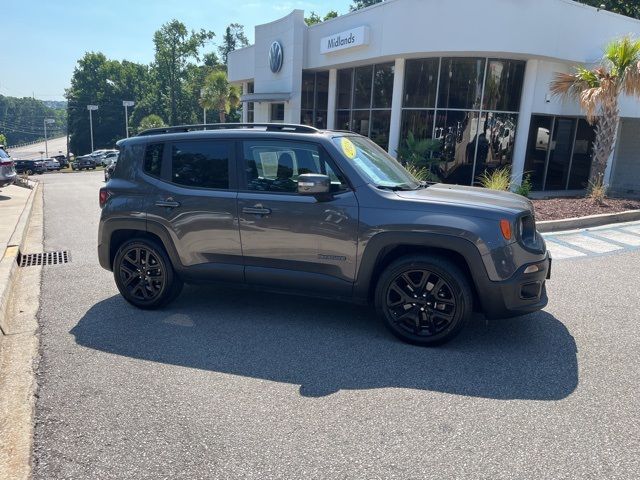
column 201, row 164
column 275, row 166
column 375, row 164
column 153, row 159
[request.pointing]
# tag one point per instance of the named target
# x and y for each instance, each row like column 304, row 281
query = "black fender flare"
column 384, row 242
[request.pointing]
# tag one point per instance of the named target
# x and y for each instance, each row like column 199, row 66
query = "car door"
column 291, row 240
column 193, row 196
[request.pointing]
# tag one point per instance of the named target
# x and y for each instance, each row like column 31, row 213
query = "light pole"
column 125, row 104
column 204, row 109
column 46, row 146
column 91, row 108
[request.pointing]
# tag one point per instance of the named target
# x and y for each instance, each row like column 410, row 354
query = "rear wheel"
column 29, row 172
column 423, row 299
column 144, row 274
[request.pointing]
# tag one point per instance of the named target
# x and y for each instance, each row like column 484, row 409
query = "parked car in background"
column 100, row 155
column 7, row 169
column 109, row 158
column 62, row 160
column 51, row 164
column 108, row 172
column 30, row 167
column 84, row 162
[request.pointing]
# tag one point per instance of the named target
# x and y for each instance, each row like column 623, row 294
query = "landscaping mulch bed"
column 561, row 208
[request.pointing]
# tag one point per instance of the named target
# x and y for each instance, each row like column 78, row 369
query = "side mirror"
column 314, row 184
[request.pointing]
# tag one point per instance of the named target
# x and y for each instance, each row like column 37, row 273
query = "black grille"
column 46, row 258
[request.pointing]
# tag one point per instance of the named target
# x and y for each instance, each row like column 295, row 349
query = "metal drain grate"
column 46, row 258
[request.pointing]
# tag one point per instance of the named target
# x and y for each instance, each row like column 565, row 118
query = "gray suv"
column 325, row 213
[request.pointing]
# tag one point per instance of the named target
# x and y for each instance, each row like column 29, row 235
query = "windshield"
column 3, row 154
column 375, row 164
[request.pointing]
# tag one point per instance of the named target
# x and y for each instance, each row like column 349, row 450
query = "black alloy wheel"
column 424, row 300
column 144, row 274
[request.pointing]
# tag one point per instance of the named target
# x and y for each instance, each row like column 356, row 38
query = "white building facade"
column 471, row 77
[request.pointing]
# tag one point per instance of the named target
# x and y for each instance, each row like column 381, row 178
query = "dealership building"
column 471, row 76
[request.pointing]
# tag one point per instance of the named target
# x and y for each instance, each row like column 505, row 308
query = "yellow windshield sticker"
column 348, row 148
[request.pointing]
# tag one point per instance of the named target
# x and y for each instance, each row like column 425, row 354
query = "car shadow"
column 325, row 346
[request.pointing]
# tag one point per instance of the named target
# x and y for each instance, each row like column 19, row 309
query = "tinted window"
column 344, row 88
column 153, row 159
column 274, row 166
column 461, row 82
column 503, row 85
column 202, row 164
column 420, row 83
column 383, row 85
column 362, row 87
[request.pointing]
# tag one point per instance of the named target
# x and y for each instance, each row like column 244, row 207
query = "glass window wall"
column 559, row 152
column 363, row 102
column 315, row 97
column 469, row 105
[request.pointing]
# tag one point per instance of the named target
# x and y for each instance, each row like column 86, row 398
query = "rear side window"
column 201, row 164
column 153, row 159
column 3, row 154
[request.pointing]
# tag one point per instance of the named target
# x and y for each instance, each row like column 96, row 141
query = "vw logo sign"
column 275, row 57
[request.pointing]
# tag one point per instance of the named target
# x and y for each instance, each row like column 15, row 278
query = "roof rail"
column 269, row 127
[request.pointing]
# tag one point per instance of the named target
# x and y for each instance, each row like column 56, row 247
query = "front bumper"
column 521, row 294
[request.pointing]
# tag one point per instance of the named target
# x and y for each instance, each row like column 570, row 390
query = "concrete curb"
column 8, row 262
column 586, row 222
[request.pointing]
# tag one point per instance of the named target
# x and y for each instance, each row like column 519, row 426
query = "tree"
column 175, row 47
column 3, row 139
column 151, row 121
column 314, row 18
column 232, row 39
column 630, row 8
column 99, row 81
column 218, row 94
column 358, row 4
column 598, row 90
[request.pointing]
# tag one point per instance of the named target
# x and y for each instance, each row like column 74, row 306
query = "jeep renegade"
column 323, row 213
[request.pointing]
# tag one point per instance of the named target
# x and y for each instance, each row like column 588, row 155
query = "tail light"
column 6, row 163
column 104, row 197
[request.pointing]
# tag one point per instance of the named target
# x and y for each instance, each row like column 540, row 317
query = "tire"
column 29, row 172
column 410, row 307
column 147, row 288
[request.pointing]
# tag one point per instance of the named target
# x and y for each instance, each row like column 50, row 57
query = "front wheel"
column 29, row 172
column 424, row 300
column 144, row 274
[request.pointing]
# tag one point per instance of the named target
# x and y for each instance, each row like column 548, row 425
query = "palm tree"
column 598, row 90
column 218, row 94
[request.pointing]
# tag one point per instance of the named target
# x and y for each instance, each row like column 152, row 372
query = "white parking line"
column 620, row 237
column 558, row 252
column 633, row 229
column 589, row 243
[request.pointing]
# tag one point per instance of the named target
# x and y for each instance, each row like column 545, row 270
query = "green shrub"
column 525, row 187
column 417, row 156
column 498, row 179
column 597, row 191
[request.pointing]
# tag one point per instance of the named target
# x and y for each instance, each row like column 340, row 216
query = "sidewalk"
column 15, row 209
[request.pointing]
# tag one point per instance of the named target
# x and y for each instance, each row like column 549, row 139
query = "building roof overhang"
column 265, row 97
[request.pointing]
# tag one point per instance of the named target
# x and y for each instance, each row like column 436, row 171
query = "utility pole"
column 46, row 145
column 204, row 110
column 91, row 108
column 125, row 104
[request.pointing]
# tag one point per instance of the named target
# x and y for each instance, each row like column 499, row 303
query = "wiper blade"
column 394, row 188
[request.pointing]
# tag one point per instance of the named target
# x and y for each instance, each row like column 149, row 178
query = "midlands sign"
column 355, row 37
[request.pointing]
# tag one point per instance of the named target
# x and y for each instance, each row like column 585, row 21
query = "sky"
column 43, row 39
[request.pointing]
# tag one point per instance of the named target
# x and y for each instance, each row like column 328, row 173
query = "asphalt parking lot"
column 233, row 384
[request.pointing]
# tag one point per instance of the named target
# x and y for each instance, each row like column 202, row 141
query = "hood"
column 474, row 197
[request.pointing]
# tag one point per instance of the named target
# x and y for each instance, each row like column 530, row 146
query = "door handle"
column 169, row 203
column 256, row 210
